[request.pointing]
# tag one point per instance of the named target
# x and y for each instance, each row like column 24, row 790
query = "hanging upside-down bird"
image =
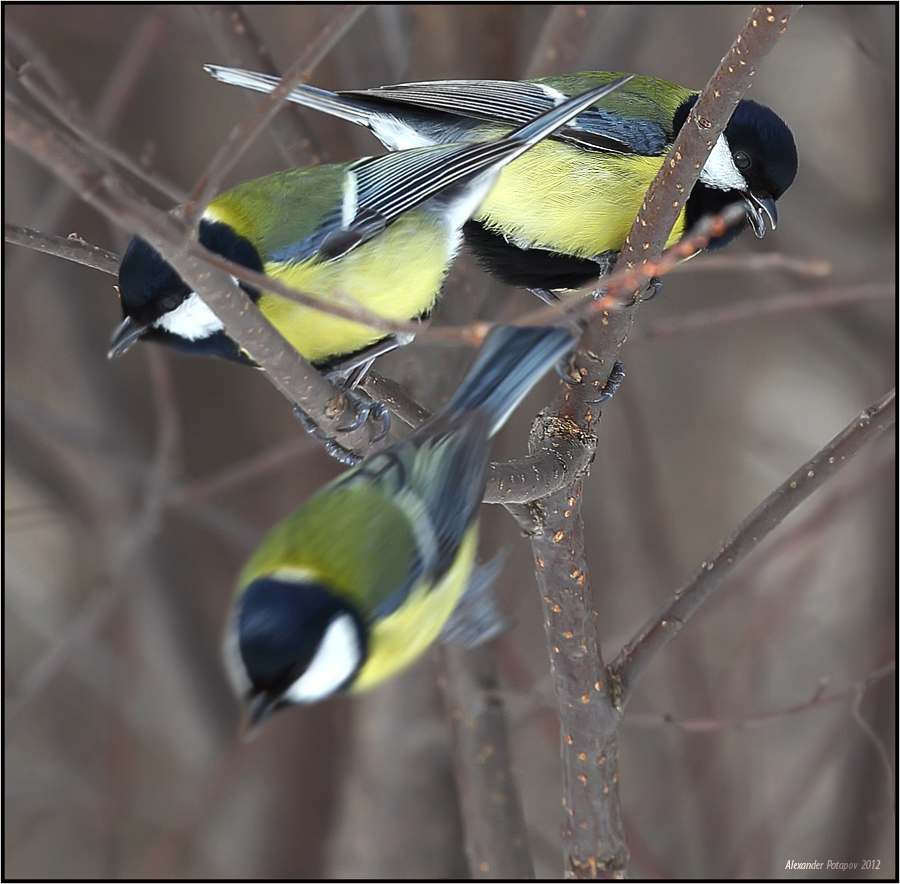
column 367, row 574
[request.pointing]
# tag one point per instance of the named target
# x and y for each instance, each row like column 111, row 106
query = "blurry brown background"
column 135, row 489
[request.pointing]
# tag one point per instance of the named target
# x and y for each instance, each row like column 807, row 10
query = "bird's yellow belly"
column 397, row 275
column 399, row 639
column 560, row 198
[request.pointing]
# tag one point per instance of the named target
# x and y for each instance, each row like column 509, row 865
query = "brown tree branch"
column 820, row 698
column 728, row 314
column 41, row 80
column 511, row 482
column 592, row 830
column 755, row 262
column 71, row 247
column 497, row 842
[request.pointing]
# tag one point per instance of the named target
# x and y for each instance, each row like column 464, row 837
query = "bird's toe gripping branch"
column 363, row 409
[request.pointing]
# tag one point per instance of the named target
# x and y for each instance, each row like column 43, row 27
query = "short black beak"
column 759, row 208
column 126, row 336
column 259, row 708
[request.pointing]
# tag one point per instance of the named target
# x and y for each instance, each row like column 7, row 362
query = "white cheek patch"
column 720, row 171
column 554, row 95
column 336, row 659
column 191, row 320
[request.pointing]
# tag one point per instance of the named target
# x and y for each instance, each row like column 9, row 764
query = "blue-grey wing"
column 514, row 103
column 439, row 473
column 378, row 190
column 390, row 185
column 381, row 189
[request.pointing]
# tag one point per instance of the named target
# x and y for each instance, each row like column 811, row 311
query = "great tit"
column 381, row 231
column 356, row 584
column 558, row 216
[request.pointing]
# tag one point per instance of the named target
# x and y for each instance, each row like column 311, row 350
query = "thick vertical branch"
column 594, row 840
column 592, row 825
column 593, row 835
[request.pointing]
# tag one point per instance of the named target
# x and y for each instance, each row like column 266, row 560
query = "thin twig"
column 757, row 262
column 130, row 66
column 663, row 627
column 67, row 110
column 884, row 758
column 709, row 320
column 243, row 47
column 250, row 470
column 71, row 247
column 761, row 719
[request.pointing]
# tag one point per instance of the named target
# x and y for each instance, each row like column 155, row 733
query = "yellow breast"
column 398, row 640
column 561, row 198
column 397, row 275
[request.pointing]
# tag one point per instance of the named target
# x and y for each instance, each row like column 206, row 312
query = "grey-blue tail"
column 310, row 96
column 393, row 131
column 510, row 362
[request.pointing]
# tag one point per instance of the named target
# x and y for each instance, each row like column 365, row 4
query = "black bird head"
column 293, row 641
column 754, row 162
column 158, row 305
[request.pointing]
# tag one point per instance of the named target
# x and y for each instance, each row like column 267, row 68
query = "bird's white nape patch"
column 554, row 95
column 336, row 659
column 191, row 320
column 290, row 574
column 350, row 199
column 720, row 172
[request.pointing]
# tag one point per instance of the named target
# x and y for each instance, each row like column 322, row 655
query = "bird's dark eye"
column 742, row 160
column 170, row 302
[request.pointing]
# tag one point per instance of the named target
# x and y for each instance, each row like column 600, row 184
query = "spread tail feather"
column 510, row 362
